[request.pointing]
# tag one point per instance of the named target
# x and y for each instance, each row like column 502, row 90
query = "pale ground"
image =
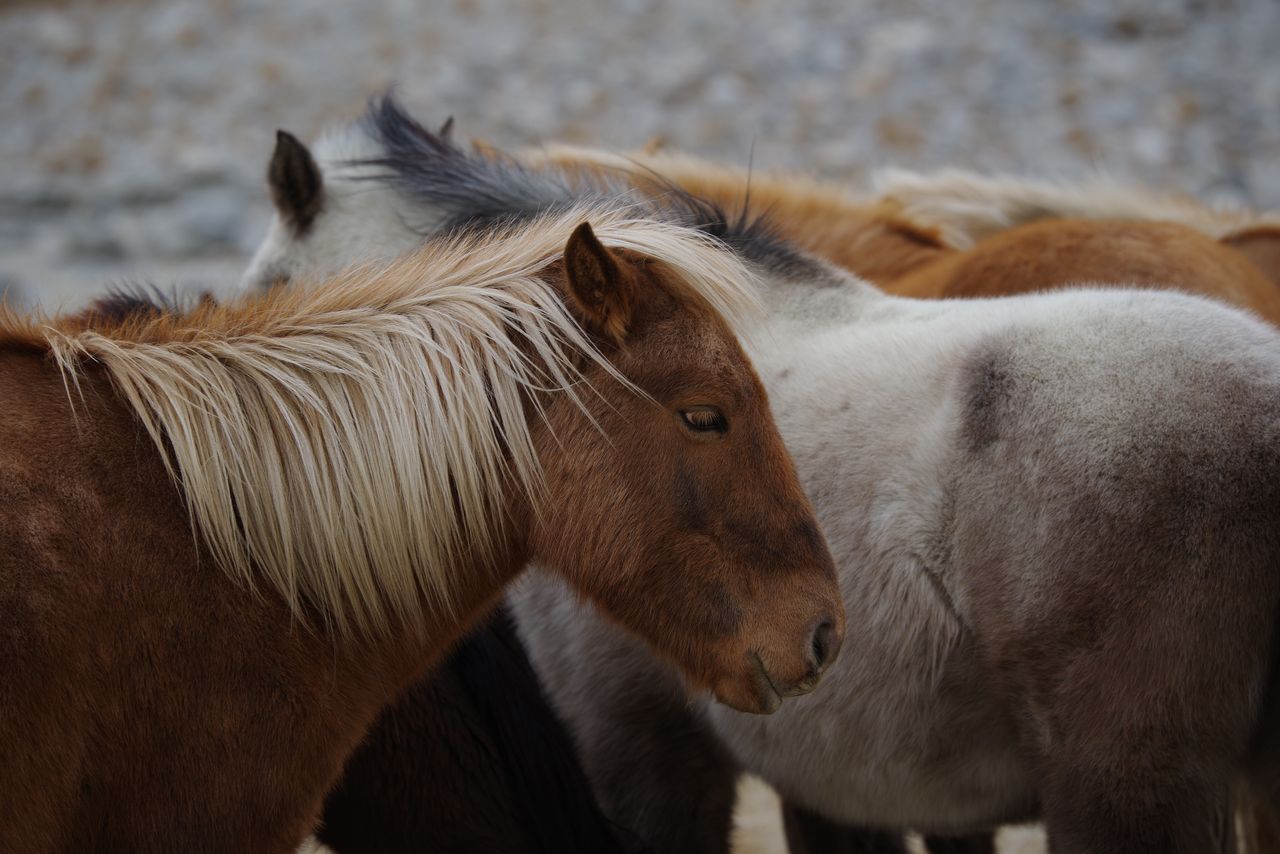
column 135, row 132
column 758, row 826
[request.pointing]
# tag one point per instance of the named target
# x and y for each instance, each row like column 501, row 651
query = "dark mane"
column 133, row 299
column 484, row 189
column 551, row 789
column 471, row 190
column 131, row 302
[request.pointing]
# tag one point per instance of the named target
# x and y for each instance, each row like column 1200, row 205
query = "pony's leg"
column 666, row 780
column 658, row 771
column 1259, row 822
column 1137, row 778
column 976, row 843
column 1087, row 814
column 809, row 833
column 1258, row 795
column 1264, row 828
column 1143, row 734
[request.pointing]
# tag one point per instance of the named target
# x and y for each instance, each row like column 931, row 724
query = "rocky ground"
column 135, row 133
column 758, row 827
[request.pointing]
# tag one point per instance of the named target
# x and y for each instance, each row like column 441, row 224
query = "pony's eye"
column 705, row 419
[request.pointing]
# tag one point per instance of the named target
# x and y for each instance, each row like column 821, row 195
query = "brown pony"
column 958, row 235
column 231, row 535
column 470, row 758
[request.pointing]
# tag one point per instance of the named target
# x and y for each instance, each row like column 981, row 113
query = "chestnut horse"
column 232, row 535
column 470, row 759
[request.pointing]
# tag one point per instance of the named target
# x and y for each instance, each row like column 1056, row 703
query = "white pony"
column 1055, row 519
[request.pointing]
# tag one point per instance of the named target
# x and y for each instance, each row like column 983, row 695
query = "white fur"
column 904, row 730
column 361, row 219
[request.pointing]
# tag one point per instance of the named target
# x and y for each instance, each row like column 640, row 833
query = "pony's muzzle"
column 773, row 676
column 824, row 646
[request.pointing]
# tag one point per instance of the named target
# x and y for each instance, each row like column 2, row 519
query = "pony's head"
column 328, row 212
column 674, row 505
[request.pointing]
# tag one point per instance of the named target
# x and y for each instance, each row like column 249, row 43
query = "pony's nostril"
column 822, row 644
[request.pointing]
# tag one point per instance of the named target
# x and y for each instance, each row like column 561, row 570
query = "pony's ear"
column 296, row 185
column 1261, row 245
column 654, row 144
column 600, row 285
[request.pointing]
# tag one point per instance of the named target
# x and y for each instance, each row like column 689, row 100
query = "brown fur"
column 1053, row 254
column 148, row 702
column 1261, row 246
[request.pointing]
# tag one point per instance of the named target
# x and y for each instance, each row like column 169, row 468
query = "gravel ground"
column 135, row 133
column 758, row 827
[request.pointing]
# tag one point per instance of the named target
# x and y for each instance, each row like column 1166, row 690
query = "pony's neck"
column 824, row 298
column 407, row 652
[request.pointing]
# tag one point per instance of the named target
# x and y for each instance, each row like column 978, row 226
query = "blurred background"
column 135, row 133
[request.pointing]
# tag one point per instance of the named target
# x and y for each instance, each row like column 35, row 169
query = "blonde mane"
column 964, row 207
column 351, row 442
